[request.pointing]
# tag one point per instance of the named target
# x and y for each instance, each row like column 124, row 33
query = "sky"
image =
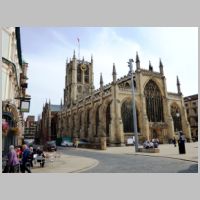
column 46, row 49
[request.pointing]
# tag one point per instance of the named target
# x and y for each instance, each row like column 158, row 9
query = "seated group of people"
column 151, row 144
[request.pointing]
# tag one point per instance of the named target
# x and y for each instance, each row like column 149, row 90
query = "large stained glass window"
column 127, row 116
column 154, row 102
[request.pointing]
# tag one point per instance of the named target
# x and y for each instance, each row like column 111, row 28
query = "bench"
column 150, row 150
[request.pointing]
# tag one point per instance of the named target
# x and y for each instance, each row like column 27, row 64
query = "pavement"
column 57, row 162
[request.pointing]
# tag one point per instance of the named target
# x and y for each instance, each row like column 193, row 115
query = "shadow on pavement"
column 192, row 169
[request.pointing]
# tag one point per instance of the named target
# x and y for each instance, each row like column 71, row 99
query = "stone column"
column 117, row 135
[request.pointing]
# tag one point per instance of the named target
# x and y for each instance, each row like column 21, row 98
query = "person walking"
column 13, row 162
column 181, row 143
column 174, row 141
column 25, row 159
column 31, row 156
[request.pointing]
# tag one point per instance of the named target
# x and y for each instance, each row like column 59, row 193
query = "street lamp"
column 130, row 65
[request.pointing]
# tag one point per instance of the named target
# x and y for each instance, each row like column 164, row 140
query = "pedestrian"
column 181, row 143
column 174, row 141
column 31, row 156
column 40, row 157
column 13, row 162
column 76, row 142
column 25, row 159
column 19, row 152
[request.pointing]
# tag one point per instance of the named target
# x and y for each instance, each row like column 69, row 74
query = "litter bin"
column 181, row 146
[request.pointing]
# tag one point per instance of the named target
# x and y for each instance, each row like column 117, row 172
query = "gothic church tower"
column 78, row 80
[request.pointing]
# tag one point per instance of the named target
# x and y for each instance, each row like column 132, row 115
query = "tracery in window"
column 127, row 116
column 154, row 102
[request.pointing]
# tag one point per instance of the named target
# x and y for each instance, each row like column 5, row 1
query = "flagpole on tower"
column 78, row 48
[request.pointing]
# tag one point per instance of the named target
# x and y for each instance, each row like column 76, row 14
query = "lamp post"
column 130, row 65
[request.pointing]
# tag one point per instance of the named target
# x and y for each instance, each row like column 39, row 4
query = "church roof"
column 55, row 108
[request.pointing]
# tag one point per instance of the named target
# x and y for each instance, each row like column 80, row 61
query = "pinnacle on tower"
column 178, row 85
column 74, row 56
column 137, row 57
column 161, row 66
column 137, row 61
column 114, row 73
column 91, row 58
column 101, row 80
column 67, row 61
column 150, row 66
column 114, row 70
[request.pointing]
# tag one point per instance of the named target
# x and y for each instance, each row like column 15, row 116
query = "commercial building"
column 15, row 101
column 191, row 104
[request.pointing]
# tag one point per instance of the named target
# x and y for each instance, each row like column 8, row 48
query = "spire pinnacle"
column 150, row 66
column 101, row 80
column 137, row 61
column 91, row 58
column 161, row 66
column 74, row 55
column 137, row 57
column 114, row 74
column 114, row 70
column 178, row 85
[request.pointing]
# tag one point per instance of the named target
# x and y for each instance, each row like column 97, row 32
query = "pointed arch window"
column 97, row 120
column 127, row 116
column 176, row 116
column 154, row 102
column 108, row 119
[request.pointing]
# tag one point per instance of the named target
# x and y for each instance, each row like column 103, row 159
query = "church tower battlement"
column 78, row 80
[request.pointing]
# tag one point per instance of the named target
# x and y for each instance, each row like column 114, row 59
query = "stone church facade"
column 90, row 114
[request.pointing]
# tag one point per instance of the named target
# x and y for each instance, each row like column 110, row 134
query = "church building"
column 90, row 114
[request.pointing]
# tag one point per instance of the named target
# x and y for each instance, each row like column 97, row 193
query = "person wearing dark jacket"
column 25, row 159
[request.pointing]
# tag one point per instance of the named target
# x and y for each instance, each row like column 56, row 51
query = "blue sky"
column 46, row 51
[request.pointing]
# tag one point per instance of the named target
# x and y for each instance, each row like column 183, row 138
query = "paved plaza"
column 71, row 160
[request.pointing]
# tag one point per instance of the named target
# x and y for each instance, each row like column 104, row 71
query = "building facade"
column 191, row 104
column 14, row 76
column 48, row 125
column 107, row 112
column 30, row 128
